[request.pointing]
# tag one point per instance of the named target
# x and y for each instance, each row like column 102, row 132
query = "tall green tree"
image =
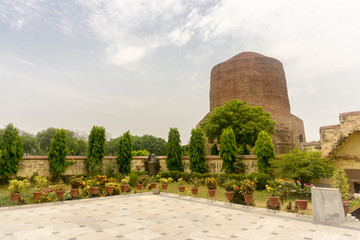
column 57, row 152
column 44, row 137
column 214, row 150
column 197, row 151
column 302, row 166
column 150, row 143
column 264, row 151
column 174, row 151
column 228, row 150
column 246, row 122
column 11, row 148
column 124, row 155
column 96, row 150
column 30, row 143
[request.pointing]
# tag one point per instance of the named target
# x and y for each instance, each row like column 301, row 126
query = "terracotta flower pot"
column 302, row 204
column 194, row 190
column 110, row 189
column 274, row 201
column 37, row 195
column 346, row 207
column 60, row 193
column 94, row 190
column 139, row 186
column 15, row 197
column 125, row 187
column 211, row 193
column 153, row 185
column 74, row 192
column 248, row 198
column 181, row 188
column 229, row 195
column 164, row 186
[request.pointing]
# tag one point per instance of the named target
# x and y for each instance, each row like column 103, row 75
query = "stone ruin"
column 259, row 81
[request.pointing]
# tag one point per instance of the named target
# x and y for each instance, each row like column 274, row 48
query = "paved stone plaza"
column 164, row 216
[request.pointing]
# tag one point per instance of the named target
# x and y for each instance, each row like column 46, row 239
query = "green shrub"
column 140, row 153
column 239, row 166
column 261, row 178
column 133, row 179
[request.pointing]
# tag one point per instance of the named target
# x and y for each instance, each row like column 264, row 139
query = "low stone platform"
column 164, row 216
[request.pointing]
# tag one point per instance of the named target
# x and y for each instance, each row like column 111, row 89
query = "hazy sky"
column 144, row 66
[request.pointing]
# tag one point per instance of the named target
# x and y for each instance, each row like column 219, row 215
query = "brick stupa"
column 259, row 81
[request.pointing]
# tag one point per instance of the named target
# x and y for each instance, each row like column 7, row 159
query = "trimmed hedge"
column 261, row 177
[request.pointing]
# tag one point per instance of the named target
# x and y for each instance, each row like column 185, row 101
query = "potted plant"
column 181, row 185
column 303, row 190
column 153, row 182
column 274, row 187
column 110, row 187
column 341, row 181
column 94, row 186
column 16, row 187
column 164, row 182
column 40, row 183
column 125, row 183
column 59, row 189
column 196, row 182
column 247, row 188
column 229, row 189
column 142, row 182
column 211, row 184
column 76, row 183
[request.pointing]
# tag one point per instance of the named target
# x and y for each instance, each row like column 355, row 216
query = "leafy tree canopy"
column 76, row 144
column 303, row 166
column 30, row 143
column 150, row 143
column 246, row 122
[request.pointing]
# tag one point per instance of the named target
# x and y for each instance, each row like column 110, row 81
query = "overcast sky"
column 144, row 66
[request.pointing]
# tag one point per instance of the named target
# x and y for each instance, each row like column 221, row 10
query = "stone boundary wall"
column 40, row 164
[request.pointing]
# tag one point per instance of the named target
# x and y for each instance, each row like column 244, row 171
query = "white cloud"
column 119, row 54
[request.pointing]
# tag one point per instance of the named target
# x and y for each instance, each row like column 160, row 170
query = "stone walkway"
column 165, row 216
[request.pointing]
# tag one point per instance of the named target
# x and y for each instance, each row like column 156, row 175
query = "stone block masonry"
column 40, row 164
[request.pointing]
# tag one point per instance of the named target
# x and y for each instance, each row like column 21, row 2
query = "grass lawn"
column 260, row 197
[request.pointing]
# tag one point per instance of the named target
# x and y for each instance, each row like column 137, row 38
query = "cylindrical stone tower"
column 259, row 81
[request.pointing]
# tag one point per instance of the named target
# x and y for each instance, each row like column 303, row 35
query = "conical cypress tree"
column 124, row 155
column 264, row 151
column 197, row 151
column 174, row 151
column 12, row 151
column 228, row 150
column 57, row 152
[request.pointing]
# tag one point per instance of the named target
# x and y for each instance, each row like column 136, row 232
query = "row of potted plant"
column 90, row 186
